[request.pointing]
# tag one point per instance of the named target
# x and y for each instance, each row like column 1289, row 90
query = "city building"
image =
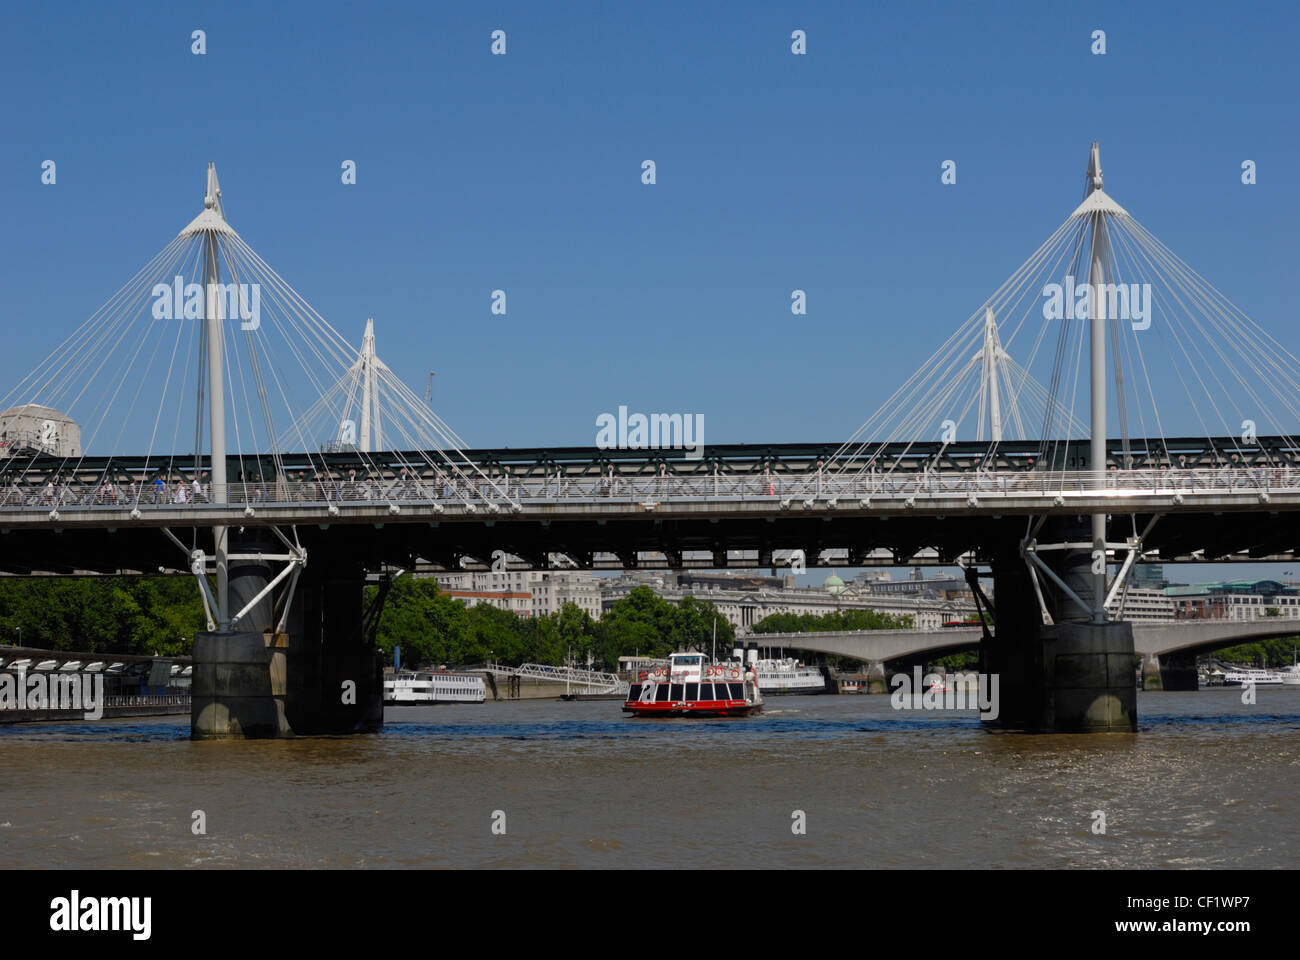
column 520, row 604
column 529, row 593
column 1223, row 600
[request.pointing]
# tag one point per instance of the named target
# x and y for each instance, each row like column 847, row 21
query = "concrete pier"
column 1169, row 671
column 323, row 676
column 1071, row 676
column 1089, row 678
column 239, row 689
column 239, row 681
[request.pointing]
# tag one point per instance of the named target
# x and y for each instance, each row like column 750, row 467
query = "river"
column 1207, row 782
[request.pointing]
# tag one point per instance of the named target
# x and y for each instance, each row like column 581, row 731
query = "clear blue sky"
column 522, row 172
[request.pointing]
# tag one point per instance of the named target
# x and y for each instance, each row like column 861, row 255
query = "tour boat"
column 689, row 687
column 416, row 689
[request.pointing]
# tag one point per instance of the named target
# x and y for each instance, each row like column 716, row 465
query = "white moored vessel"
column 789, row 676
column 414, row 689
column 1260, row 678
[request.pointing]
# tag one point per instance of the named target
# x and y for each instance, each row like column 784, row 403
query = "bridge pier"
column 1071, row 676
column 324, row 676
column 877, row 680
column 1169, row 671
column 1151, row 679
column 238, row 690
column 1013, row 652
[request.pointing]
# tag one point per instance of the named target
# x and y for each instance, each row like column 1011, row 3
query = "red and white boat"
column 689, row 687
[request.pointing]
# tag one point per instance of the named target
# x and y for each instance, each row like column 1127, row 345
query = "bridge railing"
column 49, row 494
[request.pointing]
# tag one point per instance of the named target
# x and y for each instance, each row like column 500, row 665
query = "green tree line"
column 140, row 615
column 434, row 628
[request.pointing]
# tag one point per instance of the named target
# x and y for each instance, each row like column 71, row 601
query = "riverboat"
column 689, row 687
column 789, row 676
column 1259, row 678
column 416, row 689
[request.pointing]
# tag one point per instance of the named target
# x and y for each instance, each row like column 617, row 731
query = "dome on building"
column 833, row 584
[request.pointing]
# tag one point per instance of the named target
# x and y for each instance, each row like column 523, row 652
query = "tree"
column 142, row 615
column 429, row 626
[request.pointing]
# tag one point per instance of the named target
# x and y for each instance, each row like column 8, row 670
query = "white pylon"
column 211, row 224
column 991, row 354
column 367, row 367
column 1098, row 274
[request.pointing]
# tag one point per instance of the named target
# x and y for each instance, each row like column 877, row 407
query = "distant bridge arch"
column 1150, row 639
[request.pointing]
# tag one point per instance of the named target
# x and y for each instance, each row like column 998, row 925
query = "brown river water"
column 1207, row 782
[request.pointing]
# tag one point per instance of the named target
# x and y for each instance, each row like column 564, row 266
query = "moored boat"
column 789, row 676
column 690, row 687
column 422, row 688
column 1259, row 678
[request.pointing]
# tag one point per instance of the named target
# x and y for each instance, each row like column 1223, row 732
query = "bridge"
column 306, row 446
column 1168, row 648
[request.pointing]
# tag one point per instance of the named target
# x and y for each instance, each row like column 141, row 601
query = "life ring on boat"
column 735, row 674
column 659, row 671
column 643, row 676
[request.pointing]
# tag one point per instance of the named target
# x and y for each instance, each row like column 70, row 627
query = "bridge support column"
column 1174, row 671
column 1013, row 652
column 1151, row 679
column 1089, row 680
column 323, row 677
column 1066, row 677
column 877, row 681
column 239, row 680
column 336, row 675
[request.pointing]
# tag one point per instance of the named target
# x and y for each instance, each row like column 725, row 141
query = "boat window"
column 677, row 692
column 661, row 692
column 634, row 692
column 737, row 691
column 692, row 691
column 706, row 691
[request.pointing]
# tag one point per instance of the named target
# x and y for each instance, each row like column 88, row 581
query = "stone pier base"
column 239, row 687
column 322, row 676
column 877, row 682
column 1088, row 675
column 1151, row 672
